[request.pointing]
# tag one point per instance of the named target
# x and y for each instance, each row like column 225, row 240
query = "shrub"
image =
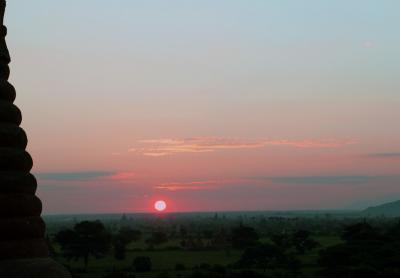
column 142, row 264
column 180, row 267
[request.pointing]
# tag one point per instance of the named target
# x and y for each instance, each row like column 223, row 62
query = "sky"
column 209, row 105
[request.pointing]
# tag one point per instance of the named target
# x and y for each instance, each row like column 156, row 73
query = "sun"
column 160, row 205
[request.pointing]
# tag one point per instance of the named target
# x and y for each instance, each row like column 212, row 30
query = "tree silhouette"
column 303, row 242
column 124, row 236
column 243, row 237
column 282, row 240
column 360, row 231
column 157, row 238
column 366, row 252
column 142, row 264
column 261, row 256
column 87, row 238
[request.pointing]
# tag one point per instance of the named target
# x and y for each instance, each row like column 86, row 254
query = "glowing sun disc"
column 160, row 205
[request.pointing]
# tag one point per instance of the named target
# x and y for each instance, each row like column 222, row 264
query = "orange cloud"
column 197, row 185
column 121, row 176
column 311, row 143
column 168, row 146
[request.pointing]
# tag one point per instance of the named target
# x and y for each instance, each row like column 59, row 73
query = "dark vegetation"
column 237, row 245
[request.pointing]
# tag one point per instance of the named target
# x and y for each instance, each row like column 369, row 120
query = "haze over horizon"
column 209, row 105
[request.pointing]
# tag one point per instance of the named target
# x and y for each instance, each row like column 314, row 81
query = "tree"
column 365, row 252
column 180, row 267
column 260, row 256
column 142, row 264
column 87, row 238
column 243, row 237
column 157, row 238
column 52, row 250
column 220, row 240
column 303, row 242
column 282, row 240
column 124, row 236
column 359, row 232
column 114, row 273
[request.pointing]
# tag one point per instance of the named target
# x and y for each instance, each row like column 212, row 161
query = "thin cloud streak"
column 73, row 176
column 195, row 185
column 390, row 155
column 168, row 146
column 122, row 176
column 330, row 180
column 267, row 181
column 85, row 176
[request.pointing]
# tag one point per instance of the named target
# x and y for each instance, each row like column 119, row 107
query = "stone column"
column 23, row 250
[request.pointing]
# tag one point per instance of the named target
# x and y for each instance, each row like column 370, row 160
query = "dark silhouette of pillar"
column 23, row 249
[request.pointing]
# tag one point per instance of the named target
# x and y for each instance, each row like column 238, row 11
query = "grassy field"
column 164, row 260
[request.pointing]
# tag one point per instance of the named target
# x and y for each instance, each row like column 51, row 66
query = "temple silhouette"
column 23, row 249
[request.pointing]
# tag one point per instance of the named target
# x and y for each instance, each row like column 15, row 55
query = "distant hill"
column 389, row 209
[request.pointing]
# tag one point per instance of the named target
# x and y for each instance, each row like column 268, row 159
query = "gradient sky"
column 210, row 105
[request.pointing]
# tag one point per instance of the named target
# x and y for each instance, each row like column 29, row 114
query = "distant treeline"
column 262, row 246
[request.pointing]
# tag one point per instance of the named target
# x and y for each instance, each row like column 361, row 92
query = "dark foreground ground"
column 303, row 244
